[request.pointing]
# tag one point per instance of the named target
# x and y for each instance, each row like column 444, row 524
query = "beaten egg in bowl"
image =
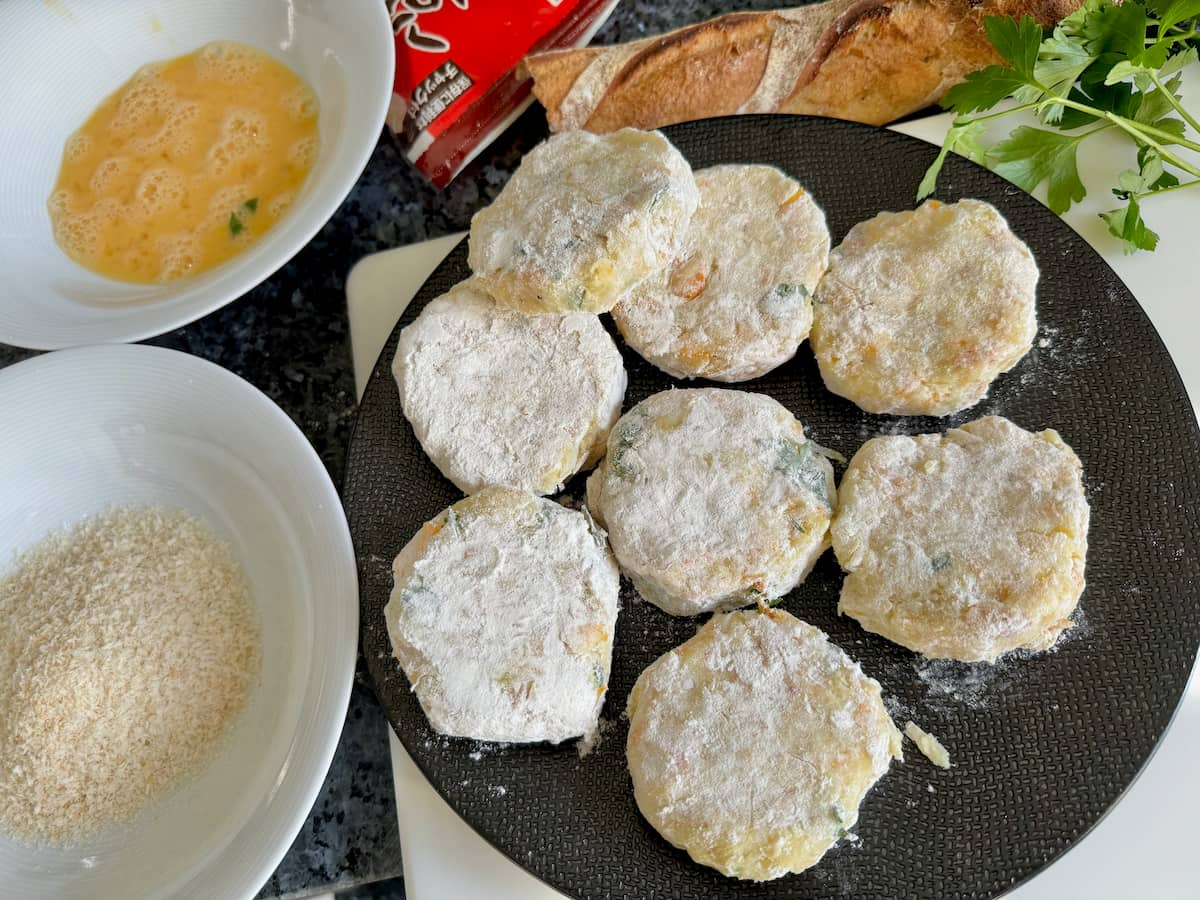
column 185, row 165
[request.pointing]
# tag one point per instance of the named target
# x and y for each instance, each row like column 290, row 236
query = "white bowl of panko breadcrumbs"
column 179, row 602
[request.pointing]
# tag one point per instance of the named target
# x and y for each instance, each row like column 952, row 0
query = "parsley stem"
column 967, row 120
column 1166, row 154
column 1172, row 38
column 1174, row 160
column 1175, row 104
column 1141, row 133
column 1157, row 132
column 1138, row 130
column 1174, row 187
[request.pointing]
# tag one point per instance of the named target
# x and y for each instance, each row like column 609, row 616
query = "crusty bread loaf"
column 868, row 60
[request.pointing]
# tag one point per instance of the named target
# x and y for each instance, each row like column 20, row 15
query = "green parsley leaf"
column 251, row 204
column 1076, row 24
column 1172, row 125
column 804, row 467
column 1155, row 55
column 1179, row 61
column 1142, row 179
column 787, row 289
column 1113, row 65
column 1156, row 103
column 1016, row 42
column 415, row 591
column 1172, row 12
column 1125, row 69
column 1061, row 61
column 1147, row 157
column 966, row 140
column 1120, row 99
column 625, row 438
column 1167, row 181
column 1126, row 223
column 982, row 89
column 1118, row 31
column 1116, row 98
column 1030, row 156
column 235, row 225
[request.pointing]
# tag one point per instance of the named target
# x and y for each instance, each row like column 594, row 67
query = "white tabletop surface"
column 1145, row 848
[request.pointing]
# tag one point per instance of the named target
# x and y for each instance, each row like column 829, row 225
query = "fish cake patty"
column 752, row 745
column 963, row 545
column 919, row 311
column 496, row 397
column 502, row 617
column 712, row 498
column 735, row 302
column 583, row 219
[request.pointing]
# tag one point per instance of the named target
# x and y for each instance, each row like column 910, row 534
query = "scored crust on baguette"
column 868, row 60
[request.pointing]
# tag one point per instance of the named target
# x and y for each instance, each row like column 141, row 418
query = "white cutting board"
column 1145, row 848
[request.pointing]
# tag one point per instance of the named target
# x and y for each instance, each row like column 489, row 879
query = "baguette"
column 867, row 60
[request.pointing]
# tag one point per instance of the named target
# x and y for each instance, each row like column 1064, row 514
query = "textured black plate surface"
column 1042, row 746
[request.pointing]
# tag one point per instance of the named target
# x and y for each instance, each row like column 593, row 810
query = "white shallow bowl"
column 59, row 59
column 90, row 428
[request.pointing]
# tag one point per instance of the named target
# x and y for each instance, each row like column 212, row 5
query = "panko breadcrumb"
column 129, row 647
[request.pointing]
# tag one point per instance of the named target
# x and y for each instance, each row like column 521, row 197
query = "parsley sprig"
column 1106, row 66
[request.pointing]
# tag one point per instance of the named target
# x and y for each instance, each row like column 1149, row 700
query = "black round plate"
column 1042, row 745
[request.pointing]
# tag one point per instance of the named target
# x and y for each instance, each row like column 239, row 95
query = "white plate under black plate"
column 1042, row 746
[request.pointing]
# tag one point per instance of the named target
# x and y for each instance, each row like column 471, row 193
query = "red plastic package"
column 456, row 88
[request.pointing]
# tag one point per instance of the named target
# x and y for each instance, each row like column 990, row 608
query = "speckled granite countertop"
column 290, row 338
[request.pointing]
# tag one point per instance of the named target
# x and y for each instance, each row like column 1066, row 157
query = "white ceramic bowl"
column 89, row 428
column 59, row 59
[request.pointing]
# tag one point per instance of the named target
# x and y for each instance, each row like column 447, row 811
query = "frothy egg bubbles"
column 185, row 165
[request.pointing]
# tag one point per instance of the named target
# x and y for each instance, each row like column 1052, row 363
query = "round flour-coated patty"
column 735, row 302
column 919, row 311
column 963, row 545
column 502, row 618
column 583, row 219
column 752, row 745
column 497, row 397
column 712, row 498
